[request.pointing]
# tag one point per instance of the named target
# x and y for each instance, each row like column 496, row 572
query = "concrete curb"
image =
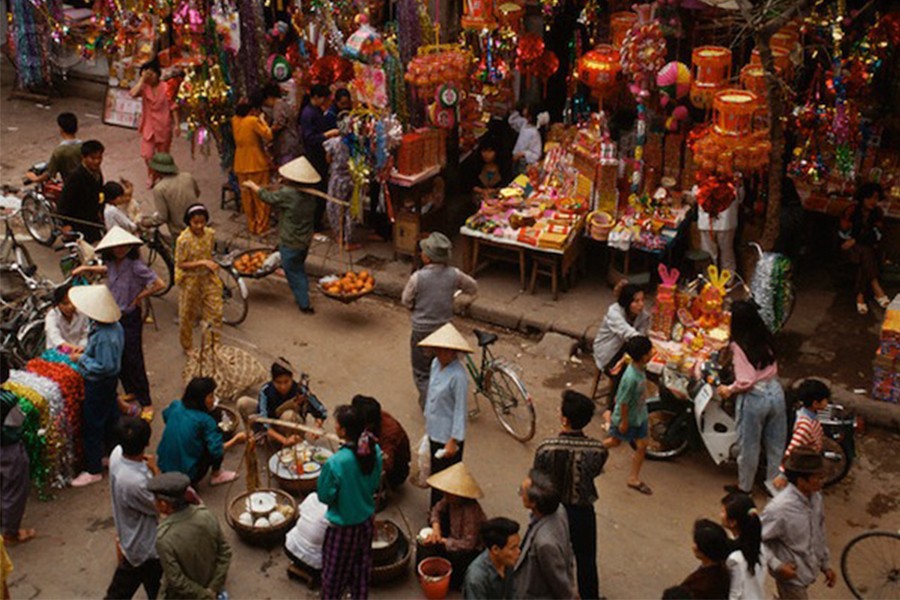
column 390, row 285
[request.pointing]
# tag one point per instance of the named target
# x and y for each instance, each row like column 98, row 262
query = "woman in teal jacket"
column 347, row 485
column 192, row 442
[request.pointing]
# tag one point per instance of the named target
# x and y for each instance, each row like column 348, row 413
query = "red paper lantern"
column 781, row 56
column 733, row 112
column 711, row 66
column 598, row 69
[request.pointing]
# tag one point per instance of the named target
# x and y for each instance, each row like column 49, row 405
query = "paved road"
column 645, row 541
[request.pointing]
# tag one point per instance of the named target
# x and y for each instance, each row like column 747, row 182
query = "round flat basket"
column 395, row 566
column 242, row 263
column 261, row 536
column 227, row 419
column 326, row 286
column 345, row 298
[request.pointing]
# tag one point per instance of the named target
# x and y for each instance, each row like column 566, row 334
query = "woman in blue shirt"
column 192, row 442
column 347, row 485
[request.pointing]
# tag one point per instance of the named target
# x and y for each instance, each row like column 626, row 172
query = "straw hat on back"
column 300, row 170
column 118, row 237
column 447, row 337
column 457, row 480
column 95, row 301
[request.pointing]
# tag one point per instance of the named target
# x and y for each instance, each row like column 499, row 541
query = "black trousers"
column 583, row 533
column 439, row 464
column 128, row 578
column 134, row 373
column 205, row 463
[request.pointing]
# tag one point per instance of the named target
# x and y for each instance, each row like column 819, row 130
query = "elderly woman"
column 445, row 401
column 861, row 235
column 456, row 520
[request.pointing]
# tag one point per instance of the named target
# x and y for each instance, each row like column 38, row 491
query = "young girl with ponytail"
column 745, row 563
column 347, row 484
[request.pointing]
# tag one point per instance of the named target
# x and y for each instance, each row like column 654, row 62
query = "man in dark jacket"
column 80, row 199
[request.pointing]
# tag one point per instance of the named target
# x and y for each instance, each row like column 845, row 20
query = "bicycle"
column 497, row 380
column 11, row 250
column 870, row 565
column 22, row 321
column 160, row 256
column 39, row 208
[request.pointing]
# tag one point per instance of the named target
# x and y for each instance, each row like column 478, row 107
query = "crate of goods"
column 885, row 379
column 410, row 154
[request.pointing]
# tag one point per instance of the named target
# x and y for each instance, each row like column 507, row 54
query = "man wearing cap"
column 456, row 519
column 100, row 364
column 429, row 294
column 194, row 554
column 793, row 527
column 296, row 223
column 445, row 400
column 173, row 191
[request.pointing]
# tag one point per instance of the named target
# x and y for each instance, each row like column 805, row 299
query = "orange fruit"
column 364, row 274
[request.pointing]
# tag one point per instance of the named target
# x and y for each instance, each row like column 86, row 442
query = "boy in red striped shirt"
column 814, row 395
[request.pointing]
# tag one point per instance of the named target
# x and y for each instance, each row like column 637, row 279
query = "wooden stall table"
column 408, row 226
column 653, row 255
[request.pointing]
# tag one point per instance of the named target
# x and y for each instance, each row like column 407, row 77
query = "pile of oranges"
column 350, row 284
column 251, row 262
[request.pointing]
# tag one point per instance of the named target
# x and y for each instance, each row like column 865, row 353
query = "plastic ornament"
column 673, row 81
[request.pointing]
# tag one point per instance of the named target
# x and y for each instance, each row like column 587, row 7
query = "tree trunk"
column 775, row 106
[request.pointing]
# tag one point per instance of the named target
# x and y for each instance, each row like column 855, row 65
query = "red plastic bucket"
column 434, row 577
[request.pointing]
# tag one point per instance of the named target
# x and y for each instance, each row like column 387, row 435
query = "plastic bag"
column 421, row 466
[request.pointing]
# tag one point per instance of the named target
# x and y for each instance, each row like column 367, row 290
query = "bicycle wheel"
column 37, row 215
column 510, row 401
column 30, row 341
column 837, row 464
column 870, row 565
column 234, row 297
column 667, row 431
column 160, row 259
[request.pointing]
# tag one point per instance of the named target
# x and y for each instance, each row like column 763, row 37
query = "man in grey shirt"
column 793, row 527
column 173, row 192
column 134, row 512
column 429, row 294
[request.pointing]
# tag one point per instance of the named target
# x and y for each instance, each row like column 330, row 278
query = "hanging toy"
column 707, row 309
column 279, row 68
column 673, row 81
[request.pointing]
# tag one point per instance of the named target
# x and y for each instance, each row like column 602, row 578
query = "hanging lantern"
column 479, row 14
column 512, row 16
column 785, row 38
column 712, row 66
column 598, row 69
column 780, row 56
column 620, row 23
column 753, row 78
column 733, row 112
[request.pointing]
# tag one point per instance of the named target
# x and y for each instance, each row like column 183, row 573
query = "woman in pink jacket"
column 156, row 114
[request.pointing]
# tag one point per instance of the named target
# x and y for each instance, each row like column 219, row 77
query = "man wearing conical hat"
column 296, row 223
column 100, row 364
column 445, row 400
column 456, row 520
column 429, row 295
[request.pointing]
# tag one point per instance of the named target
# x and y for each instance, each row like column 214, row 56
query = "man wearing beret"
column 793, row 527
column 193, row 552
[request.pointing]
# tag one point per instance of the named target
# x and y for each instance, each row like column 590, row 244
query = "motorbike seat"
column 485, row 338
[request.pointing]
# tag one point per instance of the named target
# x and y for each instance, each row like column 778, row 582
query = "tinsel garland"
column 42, row 467
column 323, row 11
column 31, row 51
column 35, row 445
column 251, row 58
column 58, row 453
column 409, row 28
column 396, row 85
column 55, row 356
column 71, row 386
column 771, row 289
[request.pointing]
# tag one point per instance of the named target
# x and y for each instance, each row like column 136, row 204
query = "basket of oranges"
column 349, row 287
column 256, row 262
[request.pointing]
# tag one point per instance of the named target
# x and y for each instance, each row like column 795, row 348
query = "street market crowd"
column 174, row 547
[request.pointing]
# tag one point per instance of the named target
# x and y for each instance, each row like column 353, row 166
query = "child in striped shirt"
column 814, row 395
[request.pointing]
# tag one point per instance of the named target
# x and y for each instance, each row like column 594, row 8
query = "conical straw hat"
column 447, row 337
column 95, row 301
column 118, row 237
column 456, row 480
column 300, row 170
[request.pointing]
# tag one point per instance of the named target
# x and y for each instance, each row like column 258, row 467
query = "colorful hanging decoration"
column 369, row 85
column 771, row 285
column 436, row 65
column 478, row 14
column 598, row 70
column 31, row 45
column 329, row 70
column 673, row 81
column 228, row 25
column 731, row 144
column 712, row 68
column 364, row 44
column 620, row 23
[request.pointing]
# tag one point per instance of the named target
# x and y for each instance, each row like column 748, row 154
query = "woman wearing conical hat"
column 445, row 400
column 456, row 520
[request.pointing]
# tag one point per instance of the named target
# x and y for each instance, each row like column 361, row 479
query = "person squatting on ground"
column 347, row 484
column 747, row 561
column 251, row 162
column 200, row 295
column 296, row 223
column 392, row 438
column 284, row 399
column 130, row 281
column 711, row 580
column 455, row 520
column 100, row 364
column 192, row 549
column 14, row 463
column 303, row 543
column 573, row 460
column 192, row 441
column 546, row 565
column 487, row 578
column 446, row 400
column 429, row 295
column 761, row 416
column 793, row 527
column 134, row 512
column 630, row 418
column 155, row 128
